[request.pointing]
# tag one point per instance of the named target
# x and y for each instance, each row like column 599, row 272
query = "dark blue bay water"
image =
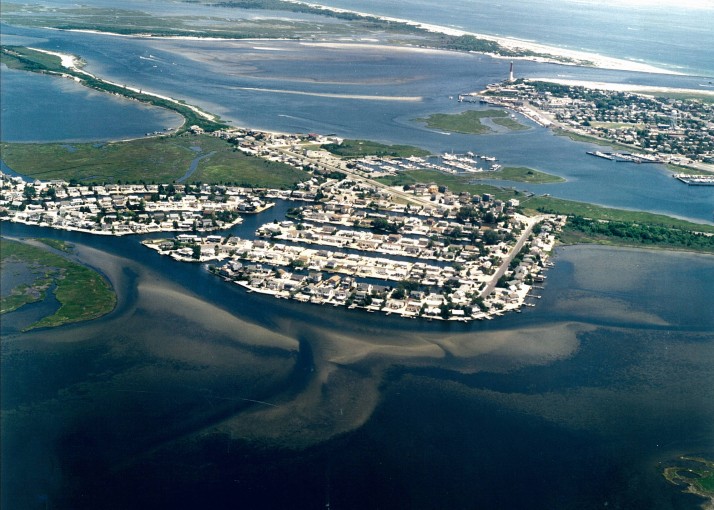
column 195, row 393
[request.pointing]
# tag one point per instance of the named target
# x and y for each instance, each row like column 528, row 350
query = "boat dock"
column 695, row 180
column 625, row 157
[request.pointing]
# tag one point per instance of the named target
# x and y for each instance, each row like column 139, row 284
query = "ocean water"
column 672, row 35
column 195, row 393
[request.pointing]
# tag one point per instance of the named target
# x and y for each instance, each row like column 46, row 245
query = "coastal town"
column 414, row 251
column 655, row 129
column 349, row 239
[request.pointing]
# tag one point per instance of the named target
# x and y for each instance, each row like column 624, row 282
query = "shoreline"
column 625, row 87
column 552, row 54
column 73, row 63
column 598, row 61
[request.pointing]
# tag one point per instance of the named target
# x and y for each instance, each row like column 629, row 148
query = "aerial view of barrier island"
column 277, row 254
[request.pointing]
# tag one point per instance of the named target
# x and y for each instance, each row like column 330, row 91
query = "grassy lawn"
column 82, row 292
column 469, row 122
column 591, row 139
column 361, row 148
column 616, row 125
column 157, row 160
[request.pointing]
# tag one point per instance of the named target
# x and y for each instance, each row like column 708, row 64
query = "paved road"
column 409, row 197
column 507, row 261
column 426, row 202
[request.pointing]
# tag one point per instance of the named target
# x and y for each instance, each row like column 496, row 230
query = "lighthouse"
column 511, row 79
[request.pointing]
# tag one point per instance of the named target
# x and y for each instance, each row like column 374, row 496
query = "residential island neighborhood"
column 349, row 240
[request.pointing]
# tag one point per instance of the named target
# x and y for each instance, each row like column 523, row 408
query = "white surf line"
column 551, row 54
column 597, row 60
column 361, row 97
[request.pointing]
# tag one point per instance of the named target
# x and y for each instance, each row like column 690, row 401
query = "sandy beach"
column 582, row 57
column 626, row 87
column 551, row 54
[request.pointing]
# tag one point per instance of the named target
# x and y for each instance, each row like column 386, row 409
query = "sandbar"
column 337, row 96
column 552, row 54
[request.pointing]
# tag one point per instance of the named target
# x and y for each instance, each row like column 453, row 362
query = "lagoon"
column 35, row 108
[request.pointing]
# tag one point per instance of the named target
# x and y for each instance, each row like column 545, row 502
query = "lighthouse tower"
column 511, row 79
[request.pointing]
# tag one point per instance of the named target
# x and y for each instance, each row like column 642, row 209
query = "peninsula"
column 61, row 64
column 644, row 128
column 38, row 267
column 461, row 256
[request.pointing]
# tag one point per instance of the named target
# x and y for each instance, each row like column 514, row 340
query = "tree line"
column 637, row 233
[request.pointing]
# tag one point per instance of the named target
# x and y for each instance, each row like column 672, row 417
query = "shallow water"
column 36, row 107
column 195, row 391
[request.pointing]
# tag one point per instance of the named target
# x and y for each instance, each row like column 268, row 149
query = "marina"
column 626, row 157
column 695, row 180
column 450, row 163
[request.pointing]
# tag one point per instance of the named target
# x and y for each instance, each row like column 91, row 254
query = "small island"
column 696, row 474
column 469, row 121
